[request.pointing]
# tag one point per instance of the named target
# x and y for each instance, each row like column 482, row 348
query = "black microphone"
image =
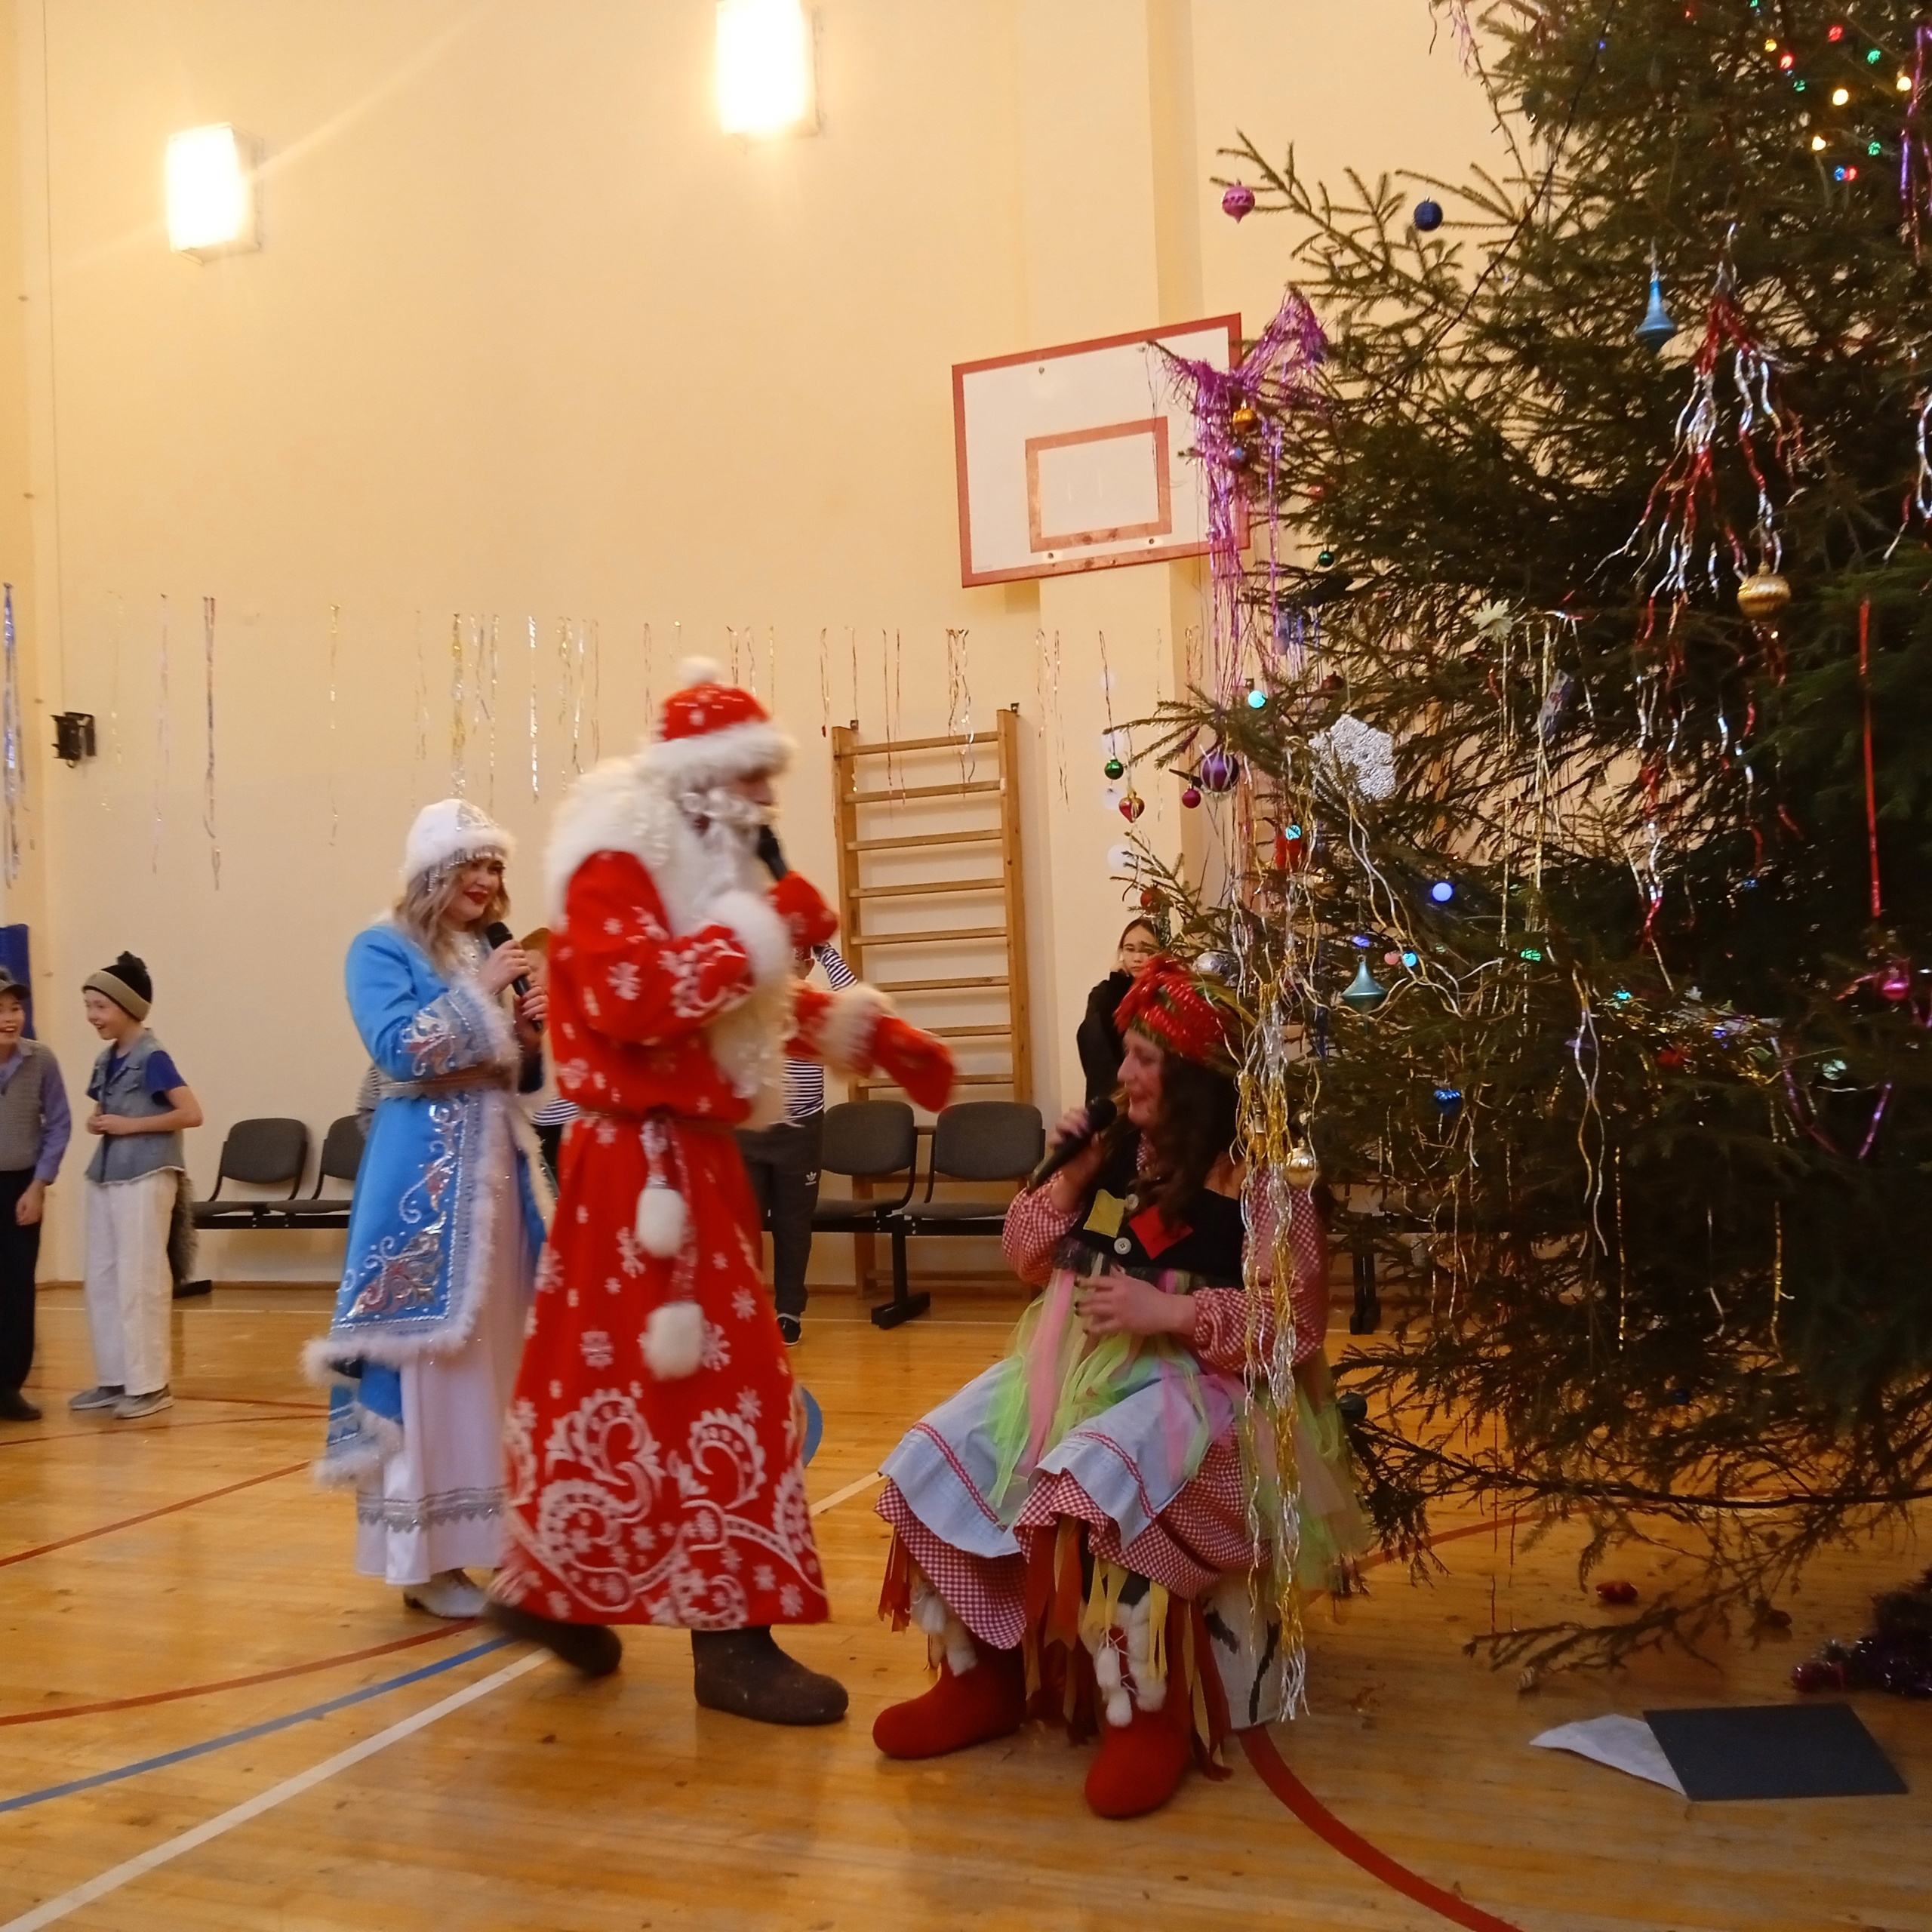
column 498, row 934
column 769, row 852
column 1101, row 1115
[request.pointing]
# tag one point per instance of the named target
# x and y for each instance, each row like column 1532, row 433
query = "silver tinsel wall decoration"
column 208, row 776
column 11, row 747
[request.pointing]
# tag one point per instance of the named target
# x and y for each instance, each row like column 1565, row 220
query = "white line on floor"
column 831, row 1501
column 113, row 1879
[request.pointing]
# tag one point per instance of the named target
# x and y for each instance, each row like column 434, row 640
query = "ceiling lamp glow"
column 766, row 80
column 212, row 207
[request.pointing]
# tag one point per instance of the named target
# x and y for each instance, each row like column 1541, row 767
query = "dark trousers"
column 19, row 1255
column 782, row 1164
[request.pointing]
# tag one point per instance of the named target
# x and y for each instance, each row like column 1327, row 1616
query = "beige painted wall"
column 530, row 338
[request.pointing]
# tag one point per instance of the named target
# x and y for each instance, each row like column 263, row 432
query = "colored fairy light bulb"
column 1872, row 59
column 1840, row 96
column 1442, row 892
column 1787, row 61
column 1817, row 142
column 1257, row 699
column 1874, row 147
column 1835, row 33
column 1904, row 84
column 1411, row 960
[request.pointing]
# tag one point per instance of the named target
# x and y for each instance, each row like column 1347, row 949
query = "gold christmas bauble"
column 1301, row 1169
column 1762, row 595
column 1243, row 419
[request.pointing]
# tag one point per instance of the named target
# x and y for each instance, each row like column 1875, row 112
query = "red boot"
column 988, row 1701
column 1140, row 1765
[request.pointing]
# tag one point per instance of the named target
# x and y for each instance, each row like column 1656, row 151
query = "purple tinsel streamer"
column 1914, row 159
column 1276, row 377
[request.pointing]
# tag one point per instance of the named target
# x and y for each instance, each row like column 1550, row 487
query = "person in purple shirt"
column 35, row 1127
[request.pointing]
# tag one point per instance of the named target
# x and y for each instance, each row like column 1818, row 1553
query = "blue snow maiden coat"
column 447, row 1127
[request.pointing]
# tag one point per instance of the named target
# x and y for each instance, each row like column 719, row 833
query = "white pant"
column 129, row 1290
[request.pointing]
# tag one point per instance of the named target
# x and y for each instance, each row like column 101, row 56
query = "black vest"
column 1208, row 1247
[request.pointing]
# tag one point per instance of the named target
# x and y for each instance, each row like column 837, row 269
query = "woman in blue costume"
column 449, row 1217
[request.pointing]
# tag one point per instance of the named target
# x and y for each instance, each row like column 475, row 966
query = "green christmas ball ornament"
column 1326, row 559
column 1114, row 768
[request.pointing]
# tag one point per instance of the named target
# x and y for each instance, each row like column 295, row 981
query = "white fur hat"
column 711, row 732
column 450, row 831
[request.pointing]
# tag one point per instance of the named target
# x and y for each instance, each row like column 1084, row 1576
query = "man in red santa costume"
column 654, row 1439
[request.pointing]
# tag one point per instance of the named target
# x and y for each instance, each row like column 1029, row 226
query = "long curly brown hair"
column 1199, row 1118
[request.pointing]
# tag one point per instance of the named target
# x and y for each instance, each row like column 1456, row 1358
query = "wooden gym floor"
column 208, row 1720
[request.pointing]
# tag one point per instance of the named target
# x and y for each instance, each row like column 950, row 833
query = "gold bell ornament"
column 1762, row 594
column 1243, row 419
column 1301, row 1169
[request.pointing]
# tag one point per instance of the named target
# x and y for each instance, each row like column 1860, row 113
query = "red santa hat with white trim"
column 711, row 733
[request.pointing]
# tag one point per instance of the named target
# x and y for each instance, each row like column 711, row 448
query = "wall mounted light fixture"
column 212, row 205
column 767, row 80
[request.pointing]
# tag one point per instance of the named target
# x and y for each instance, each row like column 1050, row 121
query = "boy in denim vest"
column 141, row 1107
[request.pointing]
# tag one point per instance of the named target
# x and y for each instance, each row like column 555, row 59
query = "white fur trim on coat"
column 761, row 931
column 843, row 1037
column 711, row 758
column 674, row 1340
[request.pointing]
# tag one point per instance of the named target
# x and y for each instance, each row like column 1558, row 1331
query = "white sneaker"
column 448, row 1593
column 102, row 1397
column 131, row 1408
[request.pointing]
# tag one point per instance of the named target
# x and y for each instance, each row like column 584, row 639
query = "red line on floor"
column 241, row 1683
column 1323, row 1823
column 148, row 1515
column 1274, row 1772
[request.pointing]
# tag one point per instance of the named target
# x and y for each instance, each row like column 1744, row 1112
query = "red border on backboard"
column 1156, row 553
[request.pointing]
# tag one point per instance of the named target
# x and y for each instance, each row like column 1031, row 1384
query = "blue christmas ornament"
column 1429, row 216
column 1657, row 328
column 1449, row 1101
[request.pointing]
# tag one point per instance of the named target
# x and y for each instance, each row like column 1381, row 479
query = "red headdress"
column 1169, row 1004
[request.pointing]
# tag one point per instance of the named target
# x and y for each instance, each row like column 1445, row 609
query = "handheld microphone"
column 1101, row 1115
column 498, row 934
column 770, row 854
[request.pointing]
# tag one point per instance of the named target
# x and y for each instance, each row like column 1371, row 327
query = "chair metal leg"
column 904, row 1306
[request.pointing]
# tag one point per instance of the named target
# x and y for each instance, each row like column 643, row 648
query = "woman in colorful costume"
column 446, row 1223
column 656, row 1434
column 1106, row 1525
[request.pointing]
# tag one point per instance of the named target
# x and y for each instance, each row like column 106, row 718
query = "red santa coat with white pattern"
column 638, row 1498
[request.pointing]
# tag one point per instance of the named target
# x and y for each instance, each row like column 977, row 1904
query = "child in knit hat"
column 142, row 1106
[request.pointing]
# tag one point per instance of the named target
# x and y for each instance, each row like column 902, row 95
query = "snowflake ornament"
column 1360, row 756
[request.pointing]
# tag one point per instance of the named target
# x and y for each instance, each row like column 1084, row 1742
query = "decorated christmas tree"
column 1569, row 709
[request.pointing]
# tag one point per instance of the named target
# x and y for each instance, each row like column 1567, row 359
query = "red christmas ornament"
column 1670, row 1057
column 1815, row 1674
column 1190, row 796
column 1896, row 984
column 1132, row 806
column 1238, row 201
column 1616, row 1592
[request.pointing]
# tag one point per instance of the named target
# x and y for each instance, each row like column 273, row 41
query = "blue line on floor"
column 814, row 1424
column 253, row 1730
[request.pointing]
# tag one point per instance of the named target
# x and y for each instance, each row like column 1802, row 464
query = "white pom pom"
column 1150, row 1696
column 674, row 1340
column 1120, row 1710
column 960, row 1653
column 661, row 1220
column 699, row 671
column 1106, row 1667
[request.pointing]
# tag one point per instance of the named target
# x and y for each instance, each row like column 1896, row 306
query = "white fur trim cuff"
column 845, row 1033
column 761, row 932
column 674, row 1340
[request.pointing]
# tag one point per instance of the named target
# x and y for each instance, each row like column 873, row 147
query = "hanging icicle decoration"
column 596, row 692
column 824, row 687
column 208, row 776
column 458, row 723
column 335, row 628
column 1671, row 551
column 114, row 698
column 530, row 631
column 1239, row 414
column 959, row 701
column 650, row 649
column 164, row 748
column 10, row 749
column 576, row 699
column 488, row 668
column 422, row 697
column 565, row 735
